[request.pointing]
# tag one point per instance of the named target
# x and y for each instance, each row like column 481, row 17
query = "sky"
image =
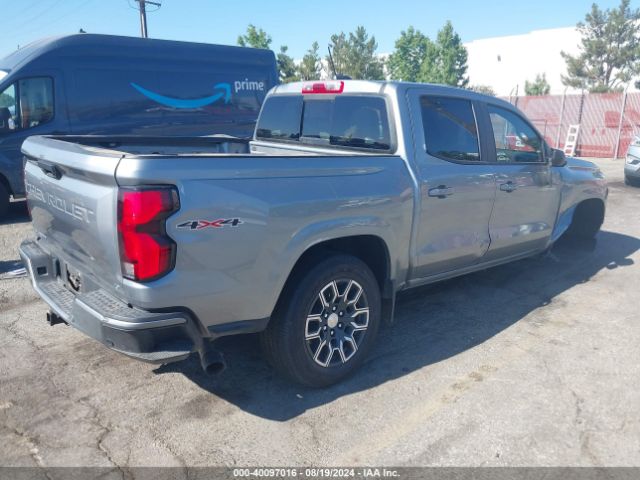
column 296, row 24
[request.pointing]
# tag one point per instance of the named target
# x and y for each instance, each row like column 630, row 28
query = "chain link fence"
column 608, row 121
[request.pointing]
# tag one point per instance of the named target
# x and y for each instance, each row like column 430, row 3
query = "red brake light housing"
column 146, row 251
column 319, row 88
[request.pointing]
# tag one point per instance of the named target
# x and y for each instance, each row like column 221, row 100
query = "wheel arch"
column 370, row 249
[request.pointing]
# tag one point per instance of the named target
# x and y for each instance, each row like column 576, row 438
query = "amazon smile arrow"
column 187, row 103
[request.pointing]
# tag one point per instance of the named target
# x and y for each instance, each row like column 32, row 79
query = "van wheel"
column 326, row 322
column 4, row 200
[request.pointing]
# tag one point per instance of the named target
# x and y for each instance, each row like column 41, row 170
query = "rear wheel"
column 326, row 322
column 4, row 200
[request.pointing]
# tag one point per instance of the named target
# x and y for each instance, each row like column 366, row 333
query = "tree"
column 258, row 38
column 609, row 51
column 484, row 89
column 311, row 66
column 286, row 66
column 355, row 55
column 255, row 38
column 6, row 100
column 539, row 86
column 446, row 60
column 410, row 52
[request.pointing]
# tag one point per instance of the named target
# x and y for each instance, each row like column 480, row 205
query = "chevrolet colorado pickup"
column 351, row 192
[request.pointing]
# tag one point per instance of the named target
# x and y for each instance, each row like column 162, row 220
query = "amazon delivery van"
column 88, row 84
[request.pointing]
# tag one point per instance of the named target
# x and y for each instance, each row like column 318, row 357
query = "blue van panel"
column 113, row 85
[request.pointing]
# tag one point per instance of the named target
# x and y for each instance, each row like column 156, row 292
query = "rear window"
column 280, row 119
column 341, row 121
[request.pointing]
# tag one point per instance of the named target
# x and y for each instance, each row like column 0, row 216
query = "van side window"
column 26, row 104
column 280, row 119
column 36, row 101
column 450, row 128
column 516, row 141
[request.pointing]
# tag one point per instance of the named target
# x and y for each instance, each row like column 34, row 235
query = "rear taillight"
column 146, row 251
column 331, row 88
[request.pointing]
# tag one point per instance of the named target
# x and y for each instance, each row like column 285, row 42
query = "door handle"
column 50, row 170
column 508, row 187
column 441, row 191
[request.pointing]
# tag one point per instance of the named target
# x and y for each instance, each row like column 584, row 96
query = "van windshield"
column 351, row 121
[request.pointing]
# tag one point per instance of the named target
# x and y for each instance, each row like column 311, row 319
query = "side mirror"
column 558, row 158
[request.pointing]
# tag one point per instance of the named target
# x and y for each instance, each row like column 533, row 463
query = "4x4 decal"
column 202, row 224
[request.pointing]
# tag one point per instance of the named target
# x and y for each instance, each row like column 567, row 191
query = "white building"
column 505, row 63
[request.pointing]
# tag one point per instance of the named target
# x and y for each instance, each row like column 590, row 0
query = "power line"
column 56, row 19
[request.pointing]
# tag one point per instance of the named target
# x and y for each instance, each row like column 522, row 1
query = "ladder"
column 572, row 140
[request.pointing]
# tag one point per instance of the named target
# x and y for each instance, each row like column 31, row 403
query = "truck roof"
column 96, row 45
column 380, row 87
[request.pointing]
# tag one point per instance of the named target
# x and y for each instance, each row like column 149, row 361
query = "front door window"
column 26, row 104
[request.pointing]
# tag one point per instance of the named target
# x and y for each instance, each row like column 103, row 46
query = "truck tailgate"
column 72, row 195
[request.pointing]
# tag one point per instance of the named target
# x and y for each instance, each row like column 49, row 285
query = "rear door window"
column 359, row 122
column 450, row 130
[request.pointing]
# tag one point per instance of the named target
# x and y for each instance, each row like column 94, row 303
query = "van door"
column 527, row 199
column 27, row 107
column 457, row 187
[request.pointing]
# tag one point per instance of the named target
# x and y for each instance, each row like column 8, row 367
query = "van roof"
column 96, row 45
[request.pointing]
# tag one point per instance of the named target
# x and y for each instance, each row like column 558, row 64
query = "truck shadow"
column 432, row 324
column 17, row 213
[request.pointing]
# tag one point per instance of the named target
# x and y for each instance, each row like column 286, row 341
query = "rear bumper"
column 147, row 336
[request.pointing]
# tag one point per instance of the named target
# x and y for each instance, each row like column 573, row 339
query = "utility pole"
column 143, row 16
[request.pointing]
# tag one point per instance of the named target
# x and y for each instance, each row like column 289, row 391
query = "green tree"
column 539, row 86
column 355, row 55
column 255, row 38
column 258, row 38
column 484, row 89
column 311, row 66
column 410, row 52
column 446, row 60
column 286, row 66
column 6, row 100
column 609, row 51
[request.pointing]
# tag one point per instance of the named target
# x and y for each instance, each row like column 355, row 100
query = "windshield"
column 3, row 74
column 8, row 109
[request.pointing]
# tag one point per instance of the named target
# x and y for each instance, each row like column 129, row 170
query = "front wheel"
column 326, row 322
column 632, row 182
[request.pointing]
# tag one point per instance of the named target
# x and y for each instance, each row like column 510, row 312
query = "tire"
column 4, row 200
column 632, row 182
column 587, row 221
column 302, row 313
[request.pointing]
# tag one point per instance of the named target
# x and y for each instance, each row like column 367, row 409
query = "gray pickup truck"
column 351, row 192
